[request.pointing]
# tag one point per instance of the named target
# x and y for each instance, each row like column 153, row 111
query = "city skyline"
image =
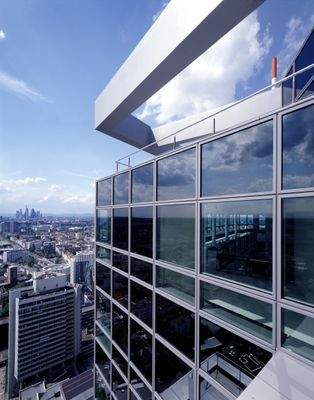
column 50, row 154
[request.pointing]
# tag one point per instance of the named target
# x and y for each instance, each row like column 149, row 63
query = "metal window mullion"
column 154, row 281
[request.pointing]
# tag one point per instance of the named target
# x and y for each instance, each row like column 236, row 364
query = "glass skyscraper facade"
column 204, row 263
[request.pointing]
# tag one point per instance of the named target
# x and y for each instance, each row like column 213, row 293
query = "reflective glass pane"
column 120, row 328
column 120, row 360
column 176, row 284
column 309, row 91
column 141, row 303
column 120, row 261
column 236, row 241
column 104, row 339
column 104, row 192
column 298, row 148
column 175, row 240
column 239, row 163
column 208, row 392
column 103, row 277
column 120, row 288
column 175, row 324
column 101, row 390
column 142, row 231
column 297, row 249
column 142, row 184
column 298, row 333
column 287, row 89
column 121, row 228
column 230, row 360
column 118, row 385
column 174, row 379
column 103, row 226
column 103, row 362
column 142, row 270
column 305, row 58
column 141, row 349
column 140, row 386
column 103, row 254
column 103, row 311
column 251, row 315
column 121, row 188
column 176, row 176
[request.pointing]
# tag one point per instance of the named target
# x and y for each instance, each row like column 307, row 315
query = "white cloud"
column 19, row 87
column 296, row 31
column 22, row 182
column 211, row 80
column 55, row 188
column 2, row 34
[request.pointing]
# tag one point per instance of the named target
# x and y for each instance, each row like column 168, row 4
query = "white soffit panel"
column 282, row 378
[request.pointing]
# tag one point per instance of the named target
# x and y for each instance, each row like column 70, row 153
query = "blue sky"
column 55, row 58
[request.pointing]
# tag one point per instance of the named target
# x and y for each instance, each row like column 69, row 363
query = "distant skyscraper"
column 44, row 328
column 82, row 269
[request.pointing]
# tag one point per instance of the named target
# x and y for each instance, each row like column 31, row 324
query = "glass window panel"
column 140, row 387
column 209, row 392
column 120, row 360
column 287, row 89
column 175, row 324
column 230, row 360
column 103, row 226
column 298, row 333
column 142, row 270
column 142, row 184
column 142, row 231
column 309, row 91
column 121, row 228
column 176, row 176
column 103, row 311
column 101, row 390
column 120, row 289
column 176, row 234
column 103, row 277
column 298, row 148
column 239, row 163
column 104, row 339
column 118, row 385
column 251, row 315
column 236, row 241
column 104, row 192
column 141, row 349
column 121, row 188
column 305, row 58
column 103, row 362
column 141, row 303
column 174, row 379
column 120, row 261
column 120, row 328
column 176, row 284
column 297, row 249
column 103, row 254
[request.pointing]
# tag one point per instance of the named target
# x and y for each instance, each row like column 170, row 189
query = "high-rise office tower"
column 81, row 270
column 44, row 328
column 204, row 254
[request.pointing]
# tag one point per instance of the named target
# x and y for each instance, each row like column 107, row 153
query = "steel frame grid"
column 275, row 299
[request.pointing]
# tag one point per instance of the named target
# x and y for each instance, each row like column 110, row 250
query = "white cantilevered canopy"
column 166, row 49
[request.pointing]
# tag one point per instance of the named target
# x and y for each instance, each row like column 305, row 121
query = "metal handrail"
column 279, row 82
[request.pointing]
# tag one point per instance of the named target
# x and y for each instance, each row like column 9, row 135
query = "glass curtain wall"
column 196, row 250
